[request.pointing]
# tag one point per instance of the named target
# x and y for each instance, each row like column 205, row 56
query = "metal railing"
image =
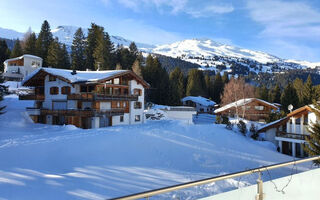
column 291, row 135
column 151, row 193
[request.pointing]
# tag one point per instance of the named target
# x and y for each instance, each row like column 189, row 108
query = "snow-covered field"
column 40, row 161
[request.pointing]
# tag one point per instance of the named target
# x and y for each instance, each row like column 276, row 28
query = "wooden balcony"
column 95, row 97
column 84, row 113
column 38, row 97
column 296, row 136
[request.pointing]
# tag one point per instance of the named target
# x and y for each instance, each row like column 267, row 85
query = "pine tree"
column 64, row 60
column 17, row 49
column 225, row 78
column 209, row 86
column 298, row 85
column 43, row 42
column 196, row 83
column 133, row 53
column 313, row 147
column 176, row 86
column 4, row 53
column 54, row 53
column 78, row 51
column 289, row 96
column 275, row 94
column 308, row 92
column 102, row 54
column 217, row 88
column 30, row 44
column 263, row 93
column 136, row 68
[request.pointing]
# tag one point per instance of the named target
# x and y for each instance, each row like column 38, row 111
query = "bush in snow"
column 242, row 127
column 225, row 120
column 229, row 125
column 253, row 131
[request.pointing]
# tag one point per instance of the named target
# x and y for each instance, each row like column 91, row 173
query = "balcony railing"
column 39, row 97
column 84, row 113
column 94, row 96
column 33, row 111
column 291, row 135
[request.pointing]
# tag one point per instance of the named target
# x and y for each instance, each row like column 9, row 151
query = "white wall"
column 116, row 120
column 26, row 69
column 180, row 115
column 301, row 187
column 270, row 135
column 133, row 112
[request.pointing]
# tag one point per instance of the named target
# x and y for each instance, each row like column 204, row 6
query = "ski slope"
column 41, row 161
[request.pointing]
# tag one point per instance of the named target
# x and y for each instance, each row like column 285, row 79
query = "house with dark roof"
column 290, row 132
column 252, row 109
column 201, row 104
column 86, row 99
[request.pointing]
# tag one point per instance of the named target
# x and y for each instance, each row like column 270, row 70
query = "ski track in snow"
column 63, row 162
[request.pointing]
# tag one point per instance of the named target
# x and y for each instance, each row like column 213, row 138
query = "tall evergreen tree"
column 30, row 44
column 275, row 94
column 17, row 49
column 64, row 60
column 298, row 85
column 263, row 93
column 208, row 86
column 313, row 149
column 176, row 86
column 54, row 54
column 94, row 32
column 218, row 88
column 308, row 91
column 289, row 96
column 43, row 42
column 102, row 54
column 136, row 68
column 78, row 51
column 196, row 83
column 4, row 53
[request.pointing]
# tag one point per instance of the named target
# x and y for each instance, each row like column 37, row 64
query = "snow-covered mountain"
column 209, row 54
column 212, row 55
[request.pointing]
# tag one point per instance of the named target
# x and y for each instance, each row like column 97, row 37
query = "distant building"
column 86, row 99
column 252, row 109
column 15, row 69
column 290, row 132
column 202, row 105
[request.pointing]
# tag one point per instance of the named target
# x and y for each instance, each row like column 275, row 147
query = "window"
column 124, row 104
column 121, row 118
column 124, row 81
column 109, row 82
column 259, row 107
column 108, row 90
column 137, row 92
column 91, row 88
column 54, row 90
column 83, row 88
column 65, row 90
column 118, row 104
column 52, row 78
column 137, row 118
column 137, row 105
column 116, row 81
column 116, row 91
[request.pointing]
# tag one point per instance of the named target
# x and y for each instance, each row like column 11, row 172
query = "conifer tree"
column 102, row 54
column 176, row 86
column 289, row 96
column 64, row 61
column 217, row 88
column 196, row 83
column 275, row 94
column 17, row 50
column 136, row 68
column 78, row 51
column 30, row 44
column 43, row 42
column 225, row 78
column 4, row 53
column 313, row 146
column 95, row 33
column 54, row 53
column 263, row 93
column 308, row 91
column 208, row 86
column 298, row 85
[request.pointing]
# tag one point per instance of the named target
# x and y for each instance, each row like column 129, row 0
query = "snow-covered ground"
column 40, row 161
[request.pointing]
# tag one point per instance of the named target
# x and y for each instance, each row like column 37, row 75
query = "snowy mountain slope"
column 10, row 34
column 64, row 162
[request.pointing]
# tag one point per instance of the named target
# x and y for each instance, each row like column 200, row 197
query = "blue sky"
column 288, row 29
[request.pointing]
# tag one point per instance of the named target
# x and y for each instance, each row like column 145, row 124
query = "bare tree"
column 235, row 90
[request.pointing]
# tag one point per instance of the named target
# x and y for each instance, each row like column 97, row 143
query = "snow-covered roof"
column 79, row 76
column 271, row 124
column 25, row 55
column 200, row 100
column 243, row 102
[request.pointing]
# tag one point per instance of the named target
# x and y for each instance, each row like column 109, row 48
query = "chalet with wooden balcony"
column 252, row 109
column 15, row 69
column 290, row 132
column 86, row 99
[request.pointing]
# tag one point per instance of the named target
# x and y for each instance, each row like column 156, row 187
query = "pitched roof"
column 243, row 102
column 200, row 100
column 273, row 124
column 80, row 76
column 25, row 55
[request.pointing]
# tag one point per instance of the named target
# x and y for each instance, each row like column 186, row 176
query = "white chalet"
column 289, row 133
column 202, row 105
column 86, row 99
column 15, row 69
